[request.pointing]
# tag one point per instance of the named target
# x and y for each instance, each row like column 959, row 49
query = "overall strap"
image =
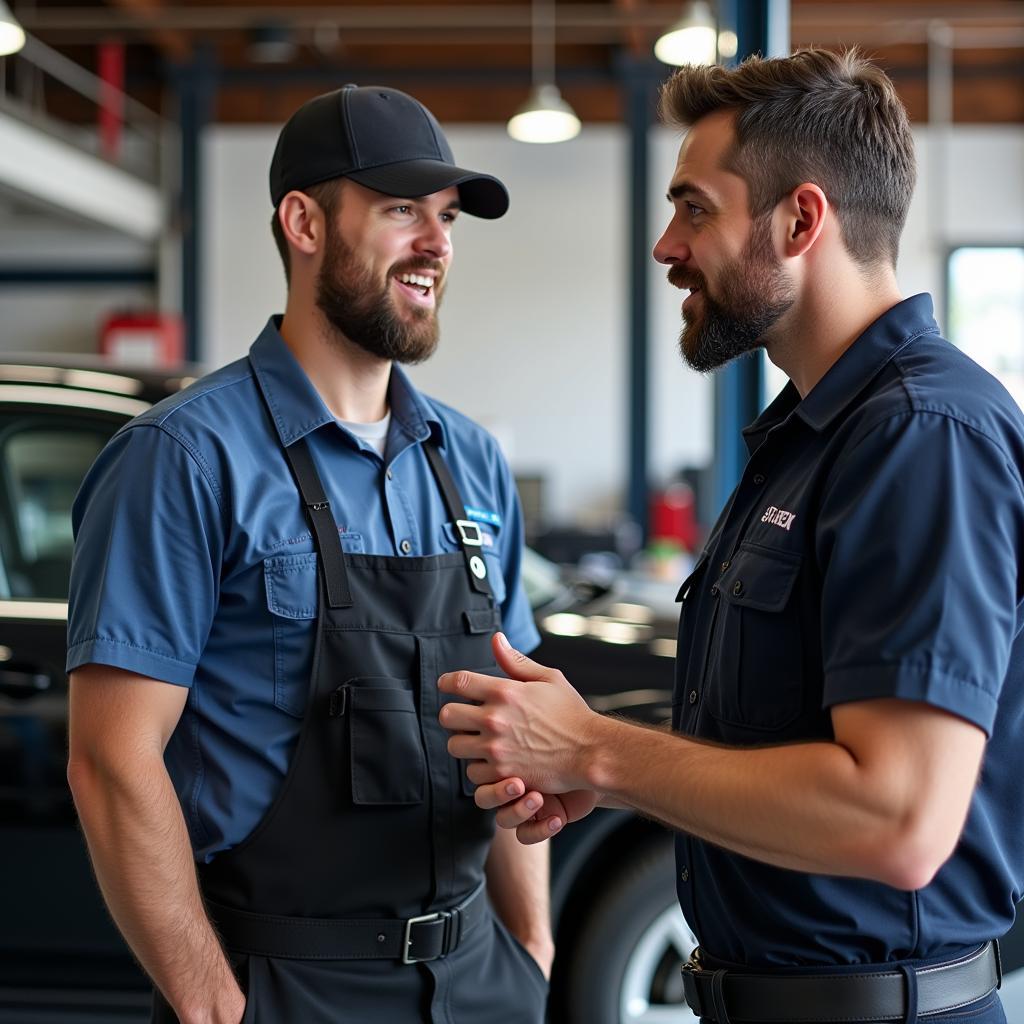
column 469, row 535
column 321, row 519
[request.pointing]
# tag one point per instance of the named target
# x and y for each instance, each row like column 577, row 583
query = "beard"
column 355, row 304
column 754, row 293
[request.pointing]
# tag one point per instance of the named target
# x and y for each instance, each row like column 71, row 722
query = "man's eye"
column 693, row 209
column 448, row 218
column 401, row 209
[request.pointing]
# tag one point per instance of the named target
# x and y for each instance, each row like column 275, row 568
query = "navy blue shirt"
column 872, row 549
column 194, row 562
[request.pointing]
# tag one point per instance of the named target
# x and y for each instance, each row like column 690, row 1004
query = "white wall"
column 535, row 322
column 535, row 325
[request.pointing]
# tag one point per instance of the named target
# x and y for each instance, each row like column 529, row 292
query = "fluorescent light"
column 544, row 117
column 690, row 40
column 12, row 35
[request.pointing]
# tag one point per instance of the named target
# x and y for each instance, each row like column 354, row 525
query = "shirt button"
column 684, row 874
column 725, row 565
column 406, row 547
column 759, row 478
column 714, row 590
column 693, row 696
column 737, row 587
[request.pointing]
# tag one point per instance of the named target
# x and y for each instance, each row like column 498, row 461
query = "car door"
column 52, row 913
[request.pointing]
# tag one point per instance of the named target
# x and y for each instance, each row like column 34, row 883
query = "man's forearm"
column 518, row 883
column 141, row 854
column 807, row 807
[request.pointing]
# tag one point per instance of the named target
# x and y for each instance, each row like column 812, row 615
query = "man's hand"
column 532, row 726
column 535, row 816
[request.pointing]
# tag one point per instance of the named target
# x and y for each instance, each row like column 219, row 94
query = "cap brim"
column 479, row 194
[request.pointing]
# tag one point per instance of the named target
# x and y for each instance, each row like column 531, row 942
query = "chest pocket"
column 490, row 551
column 292, row 601
column 755, row 672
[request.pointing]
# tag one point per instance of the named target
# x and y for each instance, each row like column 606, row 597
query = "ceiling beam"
column 172, row 42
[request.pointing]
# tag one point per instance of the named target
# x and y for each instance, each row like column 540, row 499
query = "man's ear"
column 302, row 222
column 804, row 212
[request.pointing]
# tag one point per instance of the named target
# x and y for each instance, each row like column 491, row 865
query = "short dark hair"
column 833, row 119
column 327, row 195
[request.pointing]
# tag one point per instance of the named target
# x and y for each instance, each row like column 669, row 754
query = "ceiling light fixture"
column 545, row 116
column 692, row 39
column 12, row 35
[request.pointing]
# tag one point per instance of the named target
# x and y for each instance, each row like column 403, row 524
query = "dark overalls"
column 360, row 895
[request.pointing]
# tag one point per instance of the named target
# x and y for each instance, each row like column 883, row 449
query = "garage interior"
column 135, row 137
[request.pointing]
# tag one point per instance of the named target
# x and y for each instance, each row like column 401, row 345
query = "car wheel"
column 626, row 967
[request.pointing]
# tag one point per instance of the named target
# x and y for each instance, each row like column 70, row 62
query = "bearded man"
column 272, row 568
column 842, row 770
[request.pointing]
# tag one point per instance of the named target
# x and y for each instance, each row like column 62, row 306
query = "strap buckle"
column 691, row 990
column 442, row 915
column 469, row 533
column 318, row 506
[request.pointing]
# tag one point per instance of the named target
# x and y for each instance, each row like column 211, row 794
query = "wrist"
column 597, row 760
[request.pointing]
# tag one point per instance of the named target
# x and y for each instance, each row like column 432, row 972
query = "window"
column 42, row 463
column 985, row 310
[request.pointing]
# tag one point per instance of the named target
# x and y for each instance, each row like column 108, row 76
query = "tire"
column 625, row 969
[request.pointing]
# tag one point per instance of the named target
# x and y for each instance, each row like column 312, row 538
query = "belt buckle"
column 440, row 915
column 469, row 533
column 691, row 990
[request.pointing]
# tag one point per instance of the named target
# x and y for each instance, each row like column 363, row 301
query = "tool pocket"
column 756, row 671
column 385, row 747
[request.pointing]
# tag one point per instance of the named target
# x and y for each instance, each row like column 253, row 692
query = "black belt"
column 731, row 997
column 427, row 937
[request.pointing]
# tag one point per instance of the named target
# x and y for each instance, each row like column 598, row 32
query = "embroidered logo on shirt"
column 778, row 517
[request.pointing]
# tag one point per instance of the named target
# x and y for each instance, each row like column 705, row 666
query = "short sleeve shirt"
column 872, row 549
column 194, row 563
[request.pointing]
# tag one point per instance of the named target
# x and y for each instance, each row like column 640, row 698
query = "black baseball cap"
column 380, row 138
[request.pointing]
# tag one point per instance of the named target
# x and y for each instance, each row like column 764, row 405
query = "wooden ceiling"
column 470, row 62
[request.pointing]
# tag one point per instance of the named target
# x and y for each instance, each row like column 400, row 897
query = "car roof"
column 96, row 373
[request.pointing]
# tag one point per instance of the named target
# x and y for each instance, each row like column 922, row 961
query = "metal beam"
column 40, row 165
column 761, row 26
column 195, row 84
column 639, row 79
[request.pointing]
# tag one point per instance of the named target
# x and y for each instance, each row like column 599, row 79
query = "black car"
column 621, row 937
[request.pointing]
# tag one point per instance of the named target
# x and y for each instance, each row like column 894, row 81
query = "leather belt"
column 411, row 940
column 732, row 997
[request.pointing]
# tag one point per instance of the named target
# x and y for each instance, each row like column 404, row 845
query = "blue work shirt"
column 872, row 549
column 194, row 562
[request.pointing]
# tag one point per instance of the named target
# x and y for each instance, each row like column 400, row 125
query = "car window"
column 43, row 459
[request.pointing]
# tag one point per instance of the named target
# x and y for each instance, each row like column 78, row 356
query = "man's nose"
column 671, row 247
column 434, row 241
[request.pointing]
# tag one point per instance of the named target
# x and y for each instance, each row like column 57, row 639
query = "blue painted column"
column 761, row 26
column 640, row 80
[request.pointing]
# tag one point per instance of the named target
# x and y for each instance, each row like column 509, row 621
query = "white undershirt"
column 374, row 434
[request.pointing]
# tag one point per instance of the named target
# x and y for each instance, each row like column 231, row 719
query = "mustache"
column 683, row 278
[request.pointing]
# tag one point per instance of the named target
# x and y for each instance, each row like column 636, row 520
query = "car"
column 621, row 937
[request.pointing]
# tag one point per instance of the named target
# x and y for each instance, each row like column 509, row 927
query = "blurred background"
column 135, row 253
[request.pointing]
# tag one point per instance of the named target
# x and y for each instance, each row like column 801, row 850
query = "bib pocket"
column 755, row 674
column 385, row 749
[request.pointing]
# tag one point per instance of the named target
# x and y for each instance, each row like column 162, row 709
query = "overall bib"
column 360, row 895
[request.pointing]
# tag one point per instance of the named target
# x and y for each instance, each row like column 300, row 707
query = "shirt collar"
column 297, row 408
column 896, row 328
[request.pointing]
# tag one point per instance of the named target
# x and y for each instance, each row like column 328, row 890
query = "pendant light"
column 545, row 116
column 12, row 35
column 690, row 40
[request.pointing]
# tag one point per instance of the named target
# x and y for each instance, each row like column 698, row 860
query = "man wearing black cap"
column 272, row 569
